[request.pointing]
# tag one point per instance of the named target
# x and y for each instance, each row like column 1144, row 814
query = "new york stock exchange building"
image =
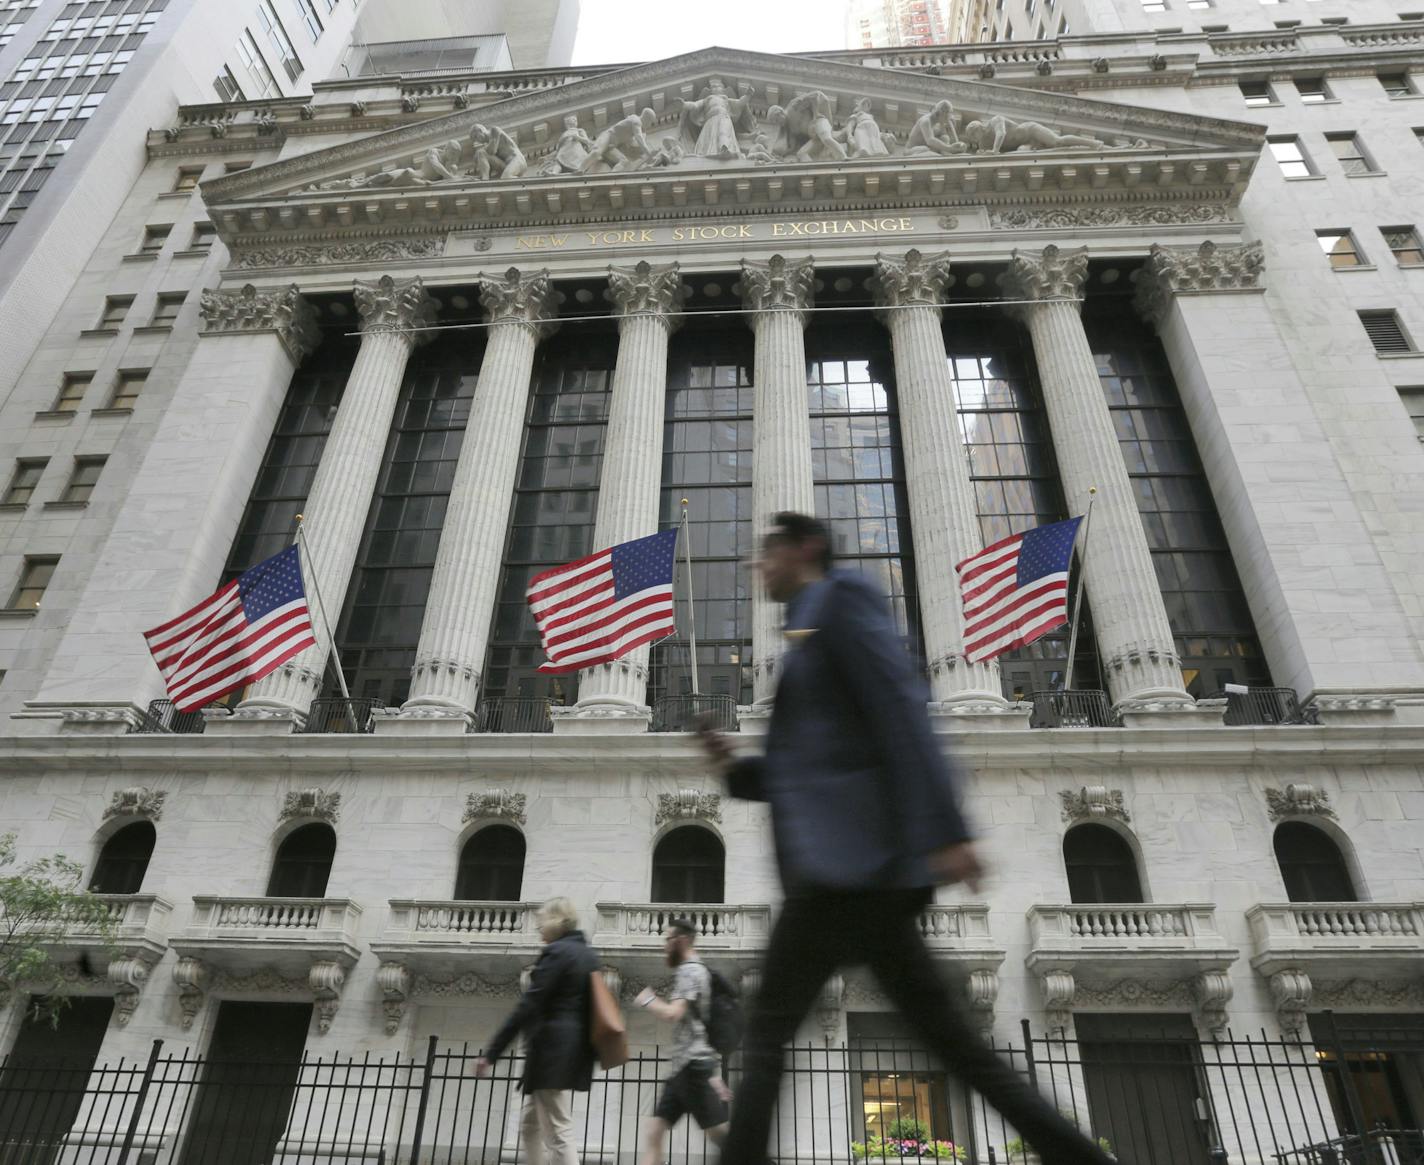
column 476, row 326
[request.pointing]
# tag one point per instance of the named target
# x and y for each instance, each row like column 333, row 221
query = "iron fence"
column 335, row 714
column 681, row 713
column 515, row 714
column 162, row 716
column 1157, row 1101
column 1074, row 709
column 1265, row 706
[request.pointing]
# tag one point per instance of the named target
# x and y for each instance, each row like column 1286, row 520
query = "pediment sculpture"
column 720, row 127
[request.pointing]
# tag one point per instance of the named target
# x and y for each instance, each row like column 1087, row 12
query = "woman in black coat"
column 553, row 1016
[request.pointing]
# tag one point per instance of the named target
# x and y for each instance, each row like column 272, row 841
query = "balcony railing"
column 498, row 921
column 681, row 713
column 1355, row 932
column 515, row 714
column 718, row 927
column 162, row 716
column 1075, row 709
column 1122, row 925
column 334, row 714
column 287, row 933
column 1265, row 706
column 954, row 925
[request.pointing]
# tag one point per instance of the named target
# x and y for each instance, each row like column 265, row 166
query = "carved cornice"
column 138, row 801
column 315, row 804
column 645, row 290
column 1298, row 801
column 496, row 803
column 247, row 310
column 515, row 298
column 688, row 805
column 1093, row 801
column 1172, row 271
column 916, row 280
column 1049, row 218
column 341, row 252
column 1052, row 274
column 388, row 305
column 779, row 284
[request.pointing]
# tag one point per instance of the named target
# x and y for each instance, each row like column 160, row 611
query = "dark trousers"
column 816, row 934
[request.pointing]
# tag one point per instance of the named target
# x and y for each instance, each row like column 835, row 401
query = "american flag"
column 601, row 607
column 1016, row 590
column 236, row 636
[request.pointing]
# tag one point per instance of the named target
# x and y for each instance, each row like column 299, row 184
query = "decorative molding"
column 495, row 803
column 1093, row 801
column 516, row 298
column 779, row 284
column 1066, row 218
column 394, row 980
column 1298, row 801
column 916, row 280
column 137, row 801
column 688, row 805
column 1372, row 994
column 1172, row 271
column 645, row 290
column 465, row 986
column 388, row 305
column 1136, row 993
column 1051, row 274
column 246, row 310
column 317, row 804
column 342, row 252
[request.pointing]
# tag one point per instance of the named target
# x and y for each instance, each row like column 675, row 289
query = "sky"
column 627, row 31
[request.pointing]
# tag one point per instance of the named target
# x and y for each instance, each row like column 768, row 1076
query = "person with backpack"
column 698, row 1013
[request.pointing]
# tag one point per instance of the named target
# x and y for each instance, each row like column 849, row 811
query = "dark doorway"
column 244, row 1096
column 491, row 866
column 303, row 863
column 1312, row 866
column 124, row 860
column 1101, row 866
column 1382, row 1085
column 689, row 866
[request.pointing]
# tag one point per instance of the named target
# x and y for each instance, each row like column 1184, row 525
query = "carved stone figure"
column 571, row 151
column 760, row 149
column 934, row 133
column 708, row 126
column 999, row 135
column 622, row 146
column 496, row 155
column 862, row 133
column 437, row 164
column 808, row 129
column 670, row 153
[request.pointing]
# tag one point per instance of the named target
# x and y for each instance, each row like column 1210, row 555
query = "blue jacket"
column 859, row 789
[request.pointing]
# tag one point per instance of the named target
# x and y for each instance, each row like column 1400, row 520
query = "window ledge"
column 1399, row 355
column 1410, row 266
column 56, row 414
column 1315, row 104
column 1371, row 174
column 20, row 507
column 1306, row 178
column 198, row 253
column 1357, row 267
column 183, row 194
column 18, row 612
column 153, row 329
column 98, row 333
column 65, row 505
column 141, row 257
column 1408, row 97
column 1267, row 105
column 117, row 411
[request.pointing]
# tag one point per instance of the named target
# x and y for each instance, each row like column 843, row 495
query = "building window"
column 28, row 471
column 1312, row 90
column 1351, row 152
column 1340, row 248
column 303, row 863
column 1413, row 398
column 34, row 578
column 203, row 235
column 1198, row 4
column 1101, row 866
column 1404, row 245
column 116, row 307
column 1290, row 157
column 124, row 860
column 306, row 13
column 83, row 479
column 127, row 389
column 1154, row 5
column 1397, row 84
column 256, row 65
column 71, row 391
column 187, row 179
column 227, row 87
column 278, row 39
column 153, row 239
column 1312, row 866
column 1386, row 332
column 491, row 866
column 689, row 865
column 165, row 309
column 1257, row 93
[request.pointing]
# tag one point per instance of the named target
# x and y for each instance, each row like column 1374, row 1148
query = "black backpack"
column 725, row 1022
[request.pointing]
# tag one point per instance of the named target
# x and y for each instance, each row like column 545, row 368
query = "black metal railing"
column 515, row 714
column 333, row 714
column 162, row 716
column 1265, row 706
column 1147, row 1100
column 1085, row 708
column 682, row 713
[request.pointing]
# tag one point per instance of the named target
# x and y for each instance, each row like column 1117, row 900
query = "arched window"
column 689, row 865
column 1312, row 866
column 491, row 866
column 124, row 860
column 303, row 863
column 1101, row 866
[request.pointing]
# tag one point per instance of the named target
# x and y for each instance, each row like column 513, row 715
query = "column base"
column 1170, row 712
column 754, row 719
column 422, row 720
column 253, row 721
column 979, row 716
column 92, row 719
column 601, row 720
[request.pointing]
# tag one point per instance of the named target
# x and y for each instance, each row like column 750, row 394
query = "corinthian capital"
column 1052, row 274
column 521, row 299
column 1171, row 271
column 647, row 290
column 281, row 310
column 391, row 305
column 915, row 281
column 779, row 284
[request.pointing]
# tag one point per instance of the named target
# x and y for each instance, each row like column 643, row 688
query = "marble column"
column 778, row 294
column 646, row 300
column 393, row 316
column 445, row 681
column 1135, row 644
column 943, row 514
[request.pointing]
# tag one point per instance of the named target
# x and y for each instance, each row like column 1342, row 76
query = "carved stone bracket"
column 394, row 980
column 496, row 803
column 688, row 805
column 829, row 1005
column 326, row 980
column 282, row 310
column 915, row 280
column 521, row 299
column 1052, row 274
column 1298, row 801
column 1059, row 988
column 128, row 975
column 137, row 801
column 191, row 977
column 779, row 284
column 1212, row 991
column 1093, row 801
column 317, row 804
column 391, row 306
column 1172, row 271
column 983, row 991
column 1291, row 990
column 645, row 290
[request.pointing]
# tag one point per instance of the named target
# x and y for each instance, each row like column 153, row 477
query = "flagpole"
column 691, row 606
column 1078, row 598
column 301, row 541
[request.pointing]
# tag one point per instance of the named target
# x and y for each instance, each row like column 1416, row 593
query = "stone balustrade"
column 1133, row 927
column 472, row 920
column 428, row 936
column 955, row 926
column 244, row 932
column 641, row 926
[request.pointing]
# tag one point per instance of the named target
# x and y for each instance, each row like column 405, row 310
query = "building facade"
column 477, row 327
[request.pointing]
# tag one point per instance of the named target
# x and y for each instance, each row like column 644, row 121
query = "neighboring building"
column 1182, row 269
column 895, row 23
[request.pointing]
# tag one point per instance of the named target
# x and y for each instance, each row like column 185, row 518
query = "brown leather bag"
column 606, row 1030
